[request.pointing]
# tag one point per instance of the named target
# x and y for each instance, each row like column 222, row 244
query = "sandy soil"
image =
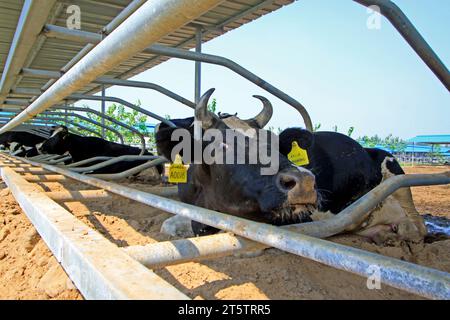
column 28, row 270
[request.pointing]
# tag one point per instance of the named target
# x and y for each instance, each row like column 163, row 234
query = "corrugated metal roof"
column 53, row 54
column 431, row 139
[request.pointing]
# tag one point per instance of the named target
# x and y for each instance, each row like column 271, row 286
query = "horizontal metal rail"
column 400, row 274
column 405, row 27
column 98, row 268
column 89, row 37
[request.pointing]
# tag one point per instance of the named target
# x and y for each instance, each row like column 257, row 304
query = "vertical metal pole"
column 66, row 123
column 198, row 65
column 103, row 110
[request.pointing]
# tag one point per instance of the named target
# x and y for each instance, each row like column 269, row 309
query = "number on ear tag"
column 177, row 171
column 298, row 156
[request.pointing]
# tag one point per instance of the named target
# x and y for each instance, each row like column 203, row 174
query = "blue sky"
column 322, row 53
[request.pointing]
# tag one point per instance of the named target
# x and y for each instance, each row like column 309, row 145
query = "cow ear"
column 164, row 143
column 303, row 137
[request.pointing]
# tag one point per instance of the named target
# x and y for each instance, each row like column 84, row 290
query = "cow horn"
column 265, row 115
column 201, row 110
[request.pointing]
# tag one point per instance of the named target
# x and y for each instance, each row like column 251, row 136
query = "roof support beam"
column 152, row 21
column 31, row 21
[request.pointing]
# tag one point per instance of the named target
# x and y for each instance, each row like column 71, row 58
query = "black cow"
column 81, row 148
column 339, row 172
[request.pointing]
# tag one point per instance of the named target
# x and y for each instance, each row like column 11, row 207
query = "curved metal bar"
column 90, row 37
column 405, row 27
column 130, row 172
column 399, row 274
column 56, row 161
column 112, row 161
column 79, row 116
column 37, row 73
column 119, row 123
column 40, row 120
column 73, row 124
column 21, row 102
column 125, row 103
column 86, row 161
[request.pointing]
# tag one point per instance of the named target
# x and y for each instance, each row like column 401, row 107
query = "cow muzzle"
column 300, row 188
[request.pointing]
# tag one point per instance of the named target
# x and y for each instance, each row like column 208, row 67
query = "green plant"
column 131, row 118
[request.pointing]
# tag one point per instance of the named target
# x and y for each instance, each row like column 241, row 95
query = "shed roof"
column 53, row 54
column 431, row 139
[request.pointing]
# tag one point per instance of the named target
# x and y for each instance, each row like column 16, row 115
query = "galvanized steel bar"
column 152, row 21
column 129, row 172
column 125, row 103
column 75, row 35
column 399, row 274
column 112, row 81
column 198, row 65
column 112, row 161
column 98, row 268
column 79, row 116
column 111, row 119
column 86, row 161
column 405, row 27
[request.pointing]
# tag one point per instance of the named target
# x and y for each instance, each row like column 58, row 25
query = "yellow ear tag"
column 298, row 156
column 178, row 171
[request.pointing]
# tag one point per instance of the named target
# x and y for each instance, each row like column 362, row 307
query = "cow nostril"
column 287, row 182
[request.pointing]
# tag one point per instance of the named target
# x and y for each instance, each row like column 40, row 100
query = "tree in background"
column 212, row 106
column 131, row 118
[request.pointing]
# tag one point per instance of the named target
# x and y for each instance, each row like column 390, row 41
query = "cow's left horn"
column 265, row 115
column 201, row 110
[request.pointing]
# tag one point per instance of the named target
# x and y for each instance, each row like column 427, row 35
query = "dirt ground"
column 28, row 270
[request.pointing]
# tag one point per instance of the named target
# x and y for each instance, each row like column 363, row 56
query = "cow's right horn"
column 264, row 116
column 201, row 110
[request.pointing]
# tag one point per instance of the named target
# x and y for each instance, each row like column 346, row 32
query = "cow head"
column 57, row 143
column 282, row 197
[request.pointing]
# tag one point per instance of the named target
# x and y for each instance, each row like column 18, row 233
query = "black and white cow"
column 339, row 172
column 81, row 148
column 20, row 138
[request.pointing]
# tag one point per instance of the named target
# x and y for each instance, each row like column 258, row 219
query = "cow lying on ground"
column 21, row 138
column 339, row 172
column 81, row 148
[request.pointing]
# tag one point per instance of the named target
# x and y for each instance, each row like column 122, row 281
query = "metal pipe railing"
column 125, row 103
column 111, row 81
column 405, row 27
column 152, row 21
column 89, row 37
column 110, row 162
column 129, row 172
column 79, row 116
column 86, row 161
column 400, row 274
column 108, row 118
column 72, row 124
